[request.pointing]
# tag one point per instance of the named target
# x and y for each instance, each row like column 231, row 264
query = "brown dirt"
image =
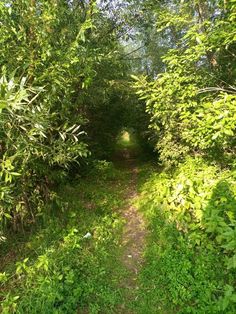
column 134, row 233
column 133, row 240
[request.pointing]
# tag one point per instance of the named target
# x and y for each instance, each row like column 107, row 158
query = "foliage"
column 59, row 98
column 190, row 257
column 192, row 107
column 61, row 270
column 31, row 143
column 66, row 94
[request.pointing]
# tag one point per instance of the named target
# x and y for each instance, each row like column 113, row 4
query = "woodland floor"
column 108, row 250
column 134, row 232
column 112, row 258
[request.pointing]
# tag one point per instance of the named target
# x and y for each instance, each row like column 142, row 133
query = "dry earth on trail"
column 133, row 239
column 134, row 234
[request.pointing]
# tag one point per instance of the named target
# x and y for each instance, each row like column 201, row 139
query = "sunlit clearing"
column 125, row 139
column 125, row 136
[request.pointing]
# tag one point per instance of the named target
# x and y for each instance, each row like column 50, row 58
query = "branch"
column 133, row 51
column 217, row 89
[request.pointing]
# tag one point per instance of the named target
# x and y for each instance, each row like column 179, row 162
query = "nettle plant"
column 32, row 143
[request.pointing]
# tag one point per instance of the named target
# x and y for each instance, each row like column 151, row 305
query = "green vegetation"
column 190, row 256
column 89, row 91
column 126, row 140
column 192, row 103
column 71, row 262
column 128, row 145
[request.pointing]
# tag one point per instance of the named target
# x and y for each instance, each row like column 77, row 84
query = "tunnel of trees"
column 83, row 82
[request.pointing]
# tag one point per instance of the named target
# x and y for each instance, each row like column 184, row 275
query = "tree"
column 192, row 108
column 58, row 61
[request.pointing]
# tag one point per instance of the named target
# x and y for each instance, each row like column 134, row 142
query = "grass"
column 178, row 276
column 70, row 263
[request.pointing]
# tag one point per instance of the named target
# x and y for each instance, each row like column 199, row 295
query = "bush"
column 190, row 259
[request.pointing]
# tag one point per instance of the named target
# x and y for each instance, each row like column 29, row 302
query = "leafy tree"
column 191, row 106
column 58, row 61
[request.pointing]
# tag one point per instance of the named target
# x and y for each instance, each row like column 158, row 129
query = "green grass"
column 180, row 274
column 56, row 269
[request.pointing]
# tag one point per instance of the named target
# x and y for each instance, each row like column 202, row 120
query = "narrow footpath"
column 134, row 234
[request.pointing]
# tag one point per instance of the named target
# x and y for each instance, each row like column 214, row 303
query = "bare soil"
column 134, row 235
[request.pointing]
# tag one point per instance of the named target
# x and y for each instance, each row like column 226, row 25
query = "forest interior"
column 117, row 156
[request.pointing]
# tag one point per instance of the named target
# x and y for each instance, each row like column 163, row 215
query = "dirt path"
column 133, row 239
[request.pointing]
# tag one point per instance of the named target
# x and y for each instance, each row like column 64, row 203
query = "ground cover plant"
column 67, row 265
column 190, row 256
column 117, row 156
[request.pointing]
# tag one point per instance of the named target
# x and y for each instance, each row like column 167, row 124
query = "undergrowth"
column 190, row 254
column 69, row 264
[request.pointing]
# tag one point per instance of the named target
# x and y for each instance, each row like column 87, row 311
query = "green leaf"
column 7, row 215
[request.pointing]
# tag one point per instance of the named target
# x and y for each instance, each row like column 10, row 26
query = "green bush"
column 190, row 259
column 31, row 146
column 191, row 108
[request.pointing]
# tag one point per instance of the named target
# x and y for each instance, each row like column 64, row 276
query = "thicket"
column 65, row 96
column 190, row 96
column 192, row 104
column 64, row 91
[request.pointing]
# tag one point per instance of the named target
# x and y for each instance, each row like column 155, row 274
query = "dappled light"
column 127, row 139
column 117, row 157
column 124, row 139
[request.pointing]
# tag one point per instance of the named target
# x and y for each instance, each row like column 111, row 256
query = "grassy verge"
column 189, row 258
column 70, row 263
